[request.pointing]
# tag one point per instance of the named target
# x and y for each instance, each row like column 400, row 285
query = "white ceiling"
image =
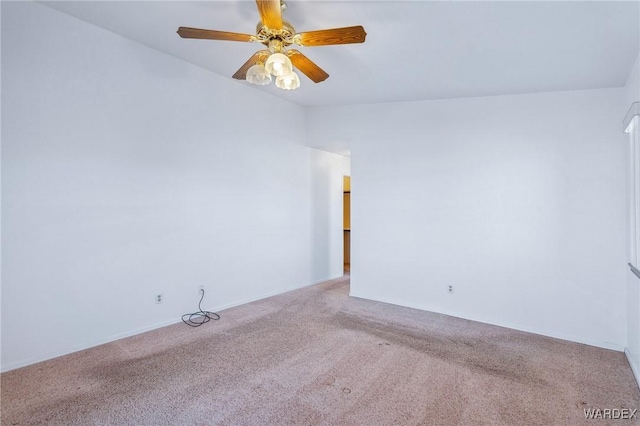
column 415, row 50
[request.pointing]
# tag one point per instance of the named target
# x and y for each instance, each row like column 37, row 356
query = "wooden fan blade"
column 344, row 35
column 186, row 32
column 307, row 66
column 259, row 56
column 270, row 13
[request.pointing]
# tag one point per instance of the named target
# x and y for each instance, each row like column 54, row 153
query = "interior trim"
column 633, row 111
column 632, row 365
column 635, row 270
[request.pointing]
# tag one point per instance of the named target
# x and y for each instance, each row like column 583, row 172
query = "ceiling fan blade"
column 307, row 66
column 270, row 13
column 344, row 35
column 259, row 56
column 186, row 32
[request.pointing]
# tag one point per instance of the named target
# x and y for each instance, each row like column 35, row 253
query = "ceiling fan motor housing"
column 285, row 34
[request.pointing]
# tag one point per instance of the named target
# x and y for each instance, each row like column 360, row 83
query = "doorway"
column 346, row 216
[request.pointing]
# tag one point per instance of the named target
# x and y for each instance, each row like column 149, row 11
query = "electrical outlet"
column 450, row 289
column 159, row 298
column 200, row 290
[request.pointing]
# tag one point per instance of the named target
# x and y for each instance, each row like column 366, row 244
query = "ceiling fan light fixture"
column 278, row 64
column 290, row 81
column 278, row 35
column 258, row 75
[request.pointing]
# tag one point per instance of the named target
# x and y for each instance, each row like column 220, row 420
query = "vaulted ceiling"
column 415, row 50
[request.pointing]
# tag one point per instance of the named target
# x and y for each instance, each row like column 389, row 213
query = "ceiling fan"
column 278, row 59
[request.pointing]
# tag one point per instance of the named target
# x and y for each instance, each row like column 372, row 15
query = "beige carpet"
column 316, row 356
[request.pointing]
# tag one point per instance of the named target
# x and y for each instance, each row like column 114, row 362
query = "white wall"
column 516, row 201
column 127, row 173
column 0, row 194
column 632, row 88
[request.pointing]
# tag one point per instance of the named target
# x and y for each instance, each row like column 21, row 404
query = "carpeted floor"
column 316, row 356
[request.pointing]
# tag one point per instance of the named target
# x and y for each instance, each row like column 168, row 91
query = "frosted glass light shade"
column 288, row 82
column 278, row 64
column 257, row 74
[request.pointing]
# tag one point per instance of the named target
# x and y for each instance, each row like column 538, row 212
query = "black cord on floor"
column 196, row 319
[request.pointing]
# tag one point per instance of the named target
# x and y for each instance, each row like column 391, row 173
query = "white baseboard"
column 329, row 279
column 29, row 361
column 56, row 354
column 634, row 368
column 266, row 295
column 547, row 333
